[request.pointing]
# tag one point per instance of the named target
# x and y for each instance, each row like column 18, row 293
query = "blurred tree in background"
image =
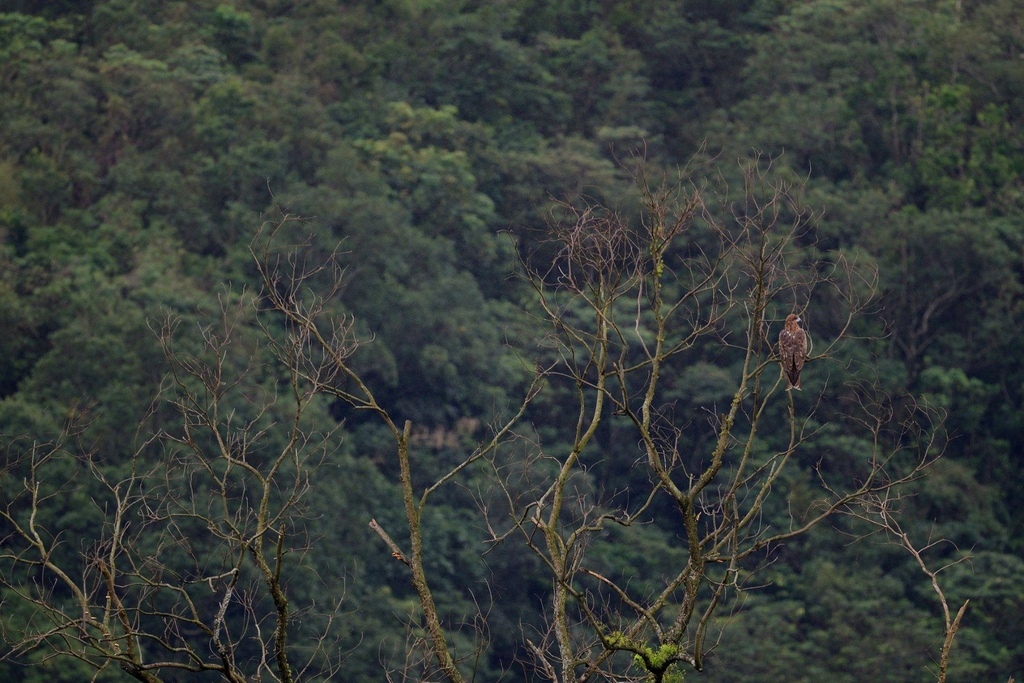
column 430, row 151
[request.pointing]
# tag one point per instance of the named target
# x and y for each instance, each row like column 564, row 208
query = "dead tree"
column 188, row 571
column 881, row 513
column 625, row 308
column 628, row 306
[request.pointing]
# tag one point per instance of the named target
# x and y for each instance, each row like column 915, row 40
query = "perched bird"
column 792, row 350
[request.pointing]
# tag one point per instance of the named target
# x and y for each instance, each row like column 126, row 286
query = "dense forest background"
column 143, row 144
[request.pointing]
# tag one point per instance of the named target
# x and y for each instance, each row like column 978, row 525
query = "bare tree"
column 629, row 307
column 880, row 511
column 626, row 307
column 188, row 571
column 288, row 291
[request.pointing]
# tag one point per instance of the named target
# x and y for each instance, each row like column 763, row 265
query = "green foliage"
column 143, row 143
column 233, row 32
